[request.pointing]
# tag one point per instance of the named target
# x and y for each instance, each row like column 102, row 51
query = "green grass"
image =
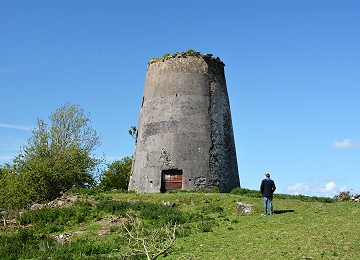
column 207, row 228
column 310, row 231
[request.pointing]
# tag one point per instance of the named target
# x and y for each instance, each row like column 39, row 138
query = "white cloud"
column 298, row 188
column 346, row 143
column 17, row 127
column 326, row 188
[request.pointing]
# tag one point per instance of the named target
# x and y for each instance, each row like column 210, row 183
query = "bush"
column 51, row 220
column 212, row 208
column 257, row 194
column 14, row 193
column 246, row 192
column 157, row 215
column 117, row 176
column 343, row 196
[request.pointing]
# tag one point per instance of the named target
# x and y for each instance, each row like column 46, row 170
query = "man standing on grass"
column 267, row 189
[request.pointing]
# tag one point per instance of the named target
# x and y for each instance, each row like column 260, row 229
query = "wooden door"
column 171, row 180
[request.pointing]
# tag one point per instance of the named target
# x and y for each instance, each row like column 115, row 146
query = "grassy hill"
column 192, row 225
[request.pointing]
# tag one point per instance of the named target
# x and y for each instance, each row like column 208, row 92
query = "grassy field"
column 207, row 227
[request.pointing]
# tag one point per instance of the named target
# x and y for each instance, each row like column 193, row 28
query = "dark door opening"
column 171, row 180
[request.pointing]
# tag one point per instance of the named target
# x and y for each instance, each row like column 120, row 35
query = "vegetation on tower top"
column 188, row 53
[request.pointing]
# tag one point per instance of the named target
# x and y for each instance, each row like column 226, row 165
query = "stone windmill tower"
column 185, row 137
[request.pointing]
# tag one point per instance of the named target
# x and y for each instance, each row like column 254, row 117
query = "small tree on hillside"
column 58, row 157
column 117, row 175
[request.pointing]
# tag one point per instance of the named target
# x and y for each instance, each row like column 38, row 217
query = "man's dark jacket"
column 267, row 187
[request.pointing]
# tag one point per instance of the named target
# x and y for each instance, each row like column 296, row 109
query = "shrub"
column 55, row 219
column 156, row 214
column 215, row 190
column 211, row 208
column 257, row 194
column 246, row 192
column 117, row 176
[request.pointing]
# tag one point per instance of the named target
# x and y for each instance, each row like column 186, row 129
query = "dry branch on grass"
column 153, row 244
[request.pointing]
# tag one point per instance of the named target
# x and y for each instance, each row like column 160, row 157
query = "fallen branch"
column 152, row 245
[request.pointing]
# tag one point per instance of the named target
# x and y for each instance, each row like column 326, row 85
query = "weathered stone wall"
column 185, row 124
column 223, row 162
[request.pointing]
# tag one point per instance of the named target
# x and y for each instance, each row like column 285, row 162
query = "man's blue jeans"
column 268, row 200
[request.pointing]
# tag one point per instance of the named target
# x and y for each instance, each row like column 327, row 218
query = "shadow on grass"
column 283, row 211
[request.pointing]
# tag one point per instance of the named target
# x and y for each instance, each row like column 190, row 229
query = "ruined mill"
column 185, row 138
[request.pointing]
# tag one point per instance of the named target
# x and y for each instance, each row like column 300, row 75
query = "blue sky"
column 292, row 71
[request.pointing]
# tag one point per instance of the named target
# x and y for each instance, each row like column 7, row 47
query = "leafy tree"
column 58, row 157
column 117, row 176
column 343, row 196
column 13, row 192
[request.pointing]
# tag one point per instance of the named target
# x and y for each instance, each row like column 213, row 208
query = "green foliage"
column 190, row 51
column 343, row 196
column 55, row 159
column 157, row 215
column 212, row 208
column 304, row 198
column 52, row 220
column 117, row 176
column 246, row 192
column 257, row 194
column 215, row 190
column 166, row 55
column 133, row 132
column 85, row 191
column 23, row 242
column 14, row 193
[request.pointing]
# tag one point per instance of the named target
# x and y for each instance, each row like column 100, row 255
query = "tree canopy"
column 56, row 158
column 117, row 176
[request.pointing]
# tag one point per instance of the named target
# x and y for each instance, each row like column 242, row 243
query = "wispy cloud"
column 13, row 68
column 17, row 127
column 345, row 144
column 328, row 189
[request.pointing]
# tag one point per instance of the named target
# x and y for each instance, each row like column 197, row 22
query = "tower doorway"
column 171, row 180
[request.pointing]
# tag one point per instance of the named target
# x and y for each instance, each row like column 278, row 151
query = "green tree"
column 344, row 196
column 117, row 176
column 57, row 157
column 13, row 193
